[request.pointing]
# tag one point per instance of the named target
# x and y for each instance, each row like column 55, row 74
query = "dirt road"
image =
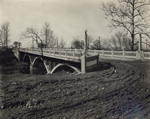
column 121, row 91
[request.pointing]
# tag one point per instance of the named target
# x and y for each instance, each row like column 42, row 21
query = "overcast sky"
column 67, row 18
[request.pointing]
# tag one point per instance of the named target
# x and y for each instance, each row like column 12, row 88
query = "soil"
column 116, row 90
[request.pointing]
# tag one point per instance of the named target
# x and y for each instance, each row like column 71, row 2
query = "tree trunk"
column 132, row 44
column 132, row 35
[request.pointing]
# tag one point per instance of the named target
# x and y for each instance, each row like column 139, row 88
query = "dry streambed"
column 120, row 91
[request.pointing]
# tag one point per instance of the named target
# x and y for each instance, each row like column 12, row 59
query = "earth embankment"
column 117, row 90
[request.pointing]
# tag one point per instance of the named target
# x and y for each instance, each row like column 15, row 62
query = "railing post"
column 73, row 54
column 123, row 52
column 95, row 51
column 50, row 51
column 59, row 52
column 102, row 53
column 54, row 52
column 112, row 53
column 66, row 53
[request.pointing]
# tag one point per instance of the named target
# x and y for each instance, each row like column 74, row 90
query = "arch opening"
column 64, row 68
column 25, row 67
column 27, row 59
column 38, row 66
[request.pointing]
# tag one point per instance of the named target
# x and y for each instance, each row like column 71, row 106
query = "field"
column 116, row 90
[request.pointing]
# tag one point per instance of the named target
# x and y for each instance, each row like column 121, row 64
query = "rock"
column 14, row 83
column 2, row 107
column 31, row 103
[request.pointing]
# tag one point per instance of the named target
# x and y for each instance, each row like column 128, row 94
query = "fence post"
column 142, row 55
column 138, row 55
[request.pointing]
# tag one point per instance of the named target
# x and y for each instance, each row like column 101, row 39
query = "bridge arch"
column 26, row 55
column 61, row 64
column 36, row 58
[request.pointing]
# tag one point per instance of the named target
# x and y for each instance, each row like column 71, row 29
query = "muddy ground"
column 117, row 90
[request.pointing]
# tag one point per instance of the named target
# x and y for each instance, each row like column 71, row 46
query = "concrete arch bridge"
column 54, row 59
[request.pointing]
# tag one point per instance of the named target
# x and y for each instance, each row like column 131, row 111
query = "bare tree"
column 132, row 15
column 89, row 41
column 5, row 35
column 77, row 43
column 48, row 35
column 33, row 33
column 17, row 44
column 105, row 44
column 96, row 44
column 1, row 39
column 120, row 42
column 62, row 43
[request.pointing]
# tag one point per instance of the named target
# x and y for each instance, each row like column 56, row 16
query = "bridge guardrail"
column 77, row 53
column 61, row 53
column 146, row 55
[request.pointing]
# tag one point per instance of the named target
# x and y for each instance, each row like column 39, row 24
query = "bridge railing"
column 146, row 55
column 76, row 53
column 53, row 52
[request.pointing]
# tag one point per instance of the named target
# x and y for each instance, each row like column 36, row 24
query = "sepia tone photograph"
column 74, row 59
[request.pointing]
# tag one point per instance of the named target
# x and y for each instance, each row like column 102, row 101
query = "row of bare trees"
column 132, row 15
column 45, row 38
column 4, row 34
column 79, row 44
column 17, row 44
column 120, row 41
